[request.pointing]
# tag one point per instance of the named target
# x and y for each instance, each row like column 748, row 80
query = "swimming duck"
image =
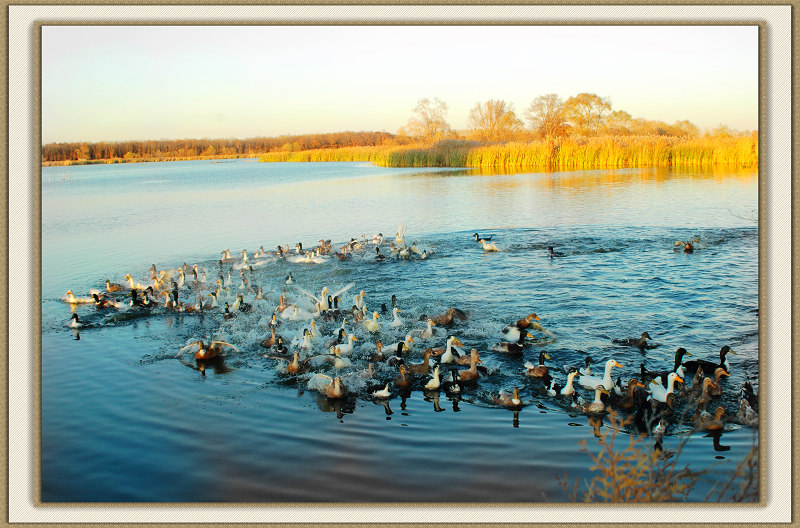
column 434, row 382
column 569, row 387
column 402, row 380
column 396, row 322
column 540, row 370
column 268, row 342
column 748, row 406
column 70, row 298
column 471, row 373
column 635, row 393
column 295, row 365
column 132, row 284
column 640, row 343
column 340, row 335
column 227, row 314
column 489, row 247
column 479, row 238
column 338, row 361
column 347, row 348
column 305, row 344
column 515, row 333
column 657, row 390
column 214, row 349
column 710, row 366
column 453, row 386
column 715, row 389
column 427, row 333
column 335, row 389
column 709, row 422
column 74, row 322
column 243, row 306
column 448, row 354
column 511, row 401
column 688, row 245
column 448, row 317
column 590, row 382
column 587, row 367
column 425, row 366
column 399, row 236
column 510, row 349
column 678, row 367
column 383, row 393
column 112, row 287
column 378, row 255
column 554, row 253
column 597, row 406
column 102, row 304
column 372, row 325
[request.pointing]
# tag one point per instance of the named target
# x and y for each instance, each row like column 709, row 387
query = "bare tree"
column 546, row 115
column 429, row 122
column 585, row 112
column 494, row 120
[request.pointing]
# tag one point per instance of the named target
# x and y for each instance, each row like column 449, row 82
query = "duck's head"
column 543, row 355
column 645, row 335
column 719, row 372
column 681, row 352
column 674, row 376
column 726, row 350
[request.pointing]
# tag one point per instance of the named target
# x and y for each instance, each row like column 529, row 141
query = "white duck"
column 372, row 325
column 448, row 356
column 657, row 390
column 488, row 246
column 428, row 333
column 407, row 341
column 591, row 382
column 383, row 393
column 434, row 382
column 396, row 322
column 347, row 348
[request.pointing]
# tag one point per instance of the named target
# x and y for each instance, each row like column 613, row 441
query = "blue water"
column 124, row 419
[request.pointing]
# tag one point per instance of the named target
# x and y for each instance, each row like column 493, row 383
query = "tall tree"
column 494, row 120
column 585, row 112
column 546, row 115
column 429, row 122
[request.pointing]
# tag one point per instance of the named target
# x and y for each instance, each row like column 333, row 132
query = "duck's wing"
column 343, row 290
column 193, row 343
column 223, row 343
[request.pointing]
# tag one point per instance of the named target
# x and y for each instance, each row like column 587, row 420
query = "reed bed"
column 570, row 153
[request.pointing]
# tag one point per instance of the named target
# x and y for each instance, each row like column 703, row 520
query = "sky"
column 118, row 83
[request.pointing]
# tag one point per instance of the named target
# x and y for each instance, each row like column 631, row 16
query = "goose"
column 396, row 322
column 510, row 401
column 540, row 370
column 657, row 390
column 590, row 382
column 710, row 366
column 434, row 382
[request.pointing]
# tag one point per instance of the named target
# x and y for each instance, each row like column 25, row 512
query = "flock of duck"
column 333, row 343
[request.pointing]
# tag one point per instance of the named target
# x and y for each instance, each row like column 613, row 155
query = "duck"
column 378, row 356
column 715, row 389
column 402, row 380
column 378, row 255
column 448, row 355
column 295, row 366
column 132, row 284
column 511, row 401
column 211, row 303
column 227, row 314
column 305, row 344
column 489, row 247
column 74, row 322
column 452, row 387
column 640, row 343
column 383, row 393
column 101, row 303
column 335, row 389
column 540, row 370
column 710, row 366
column 347, row 348
column 510, row 349
column 243, row 306
column 597, row 406
column 434, row 383
column 513, row 333
column 372, row 325
column 466, row 359
column 425, row 366
column 709, row 422
column 587, row 366
column 657, row 390
column 396, row 322
column 70, row 298
column 268, row 342
column 554, row 253
column 590, row 382
column 748, row 406
column 470, row 374
column 569, row 387
column 289, row 279
column 688, row 245
column 112, row 287
column 678, row 367
column 634, row 394
column 408, row 341
column 479, row 238
column 338, row 361
column 399, row 236
column 214, row 349
column 428, row 332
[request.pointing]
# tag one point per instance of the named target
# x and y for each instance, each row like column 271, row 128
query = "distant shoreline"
column 221, row 159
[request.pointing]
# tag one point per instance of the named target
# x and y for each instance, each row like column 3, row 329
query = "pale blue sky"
column 117, row 83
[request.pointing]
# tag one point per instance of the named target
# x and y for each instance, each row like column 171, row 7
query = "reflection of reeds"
column 571, row 153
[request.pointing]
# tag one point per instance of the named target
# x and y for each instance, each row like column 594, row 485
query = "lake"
column 125, row 418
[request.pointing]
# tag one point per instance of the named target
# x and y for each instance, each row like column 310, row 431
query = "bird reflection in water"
column 386, row 408
column 433, row 396
column 715, row 437
column 596, row 422
column 515, row 420
column 76, row 334
column 216, row 364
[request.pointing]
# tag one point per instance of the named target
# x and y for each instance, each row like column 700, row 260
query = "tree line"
column 191, row 148
column 548, row 116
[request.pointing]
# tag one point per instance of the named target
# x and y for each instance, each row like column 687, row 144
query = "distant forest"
column 193, row 148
